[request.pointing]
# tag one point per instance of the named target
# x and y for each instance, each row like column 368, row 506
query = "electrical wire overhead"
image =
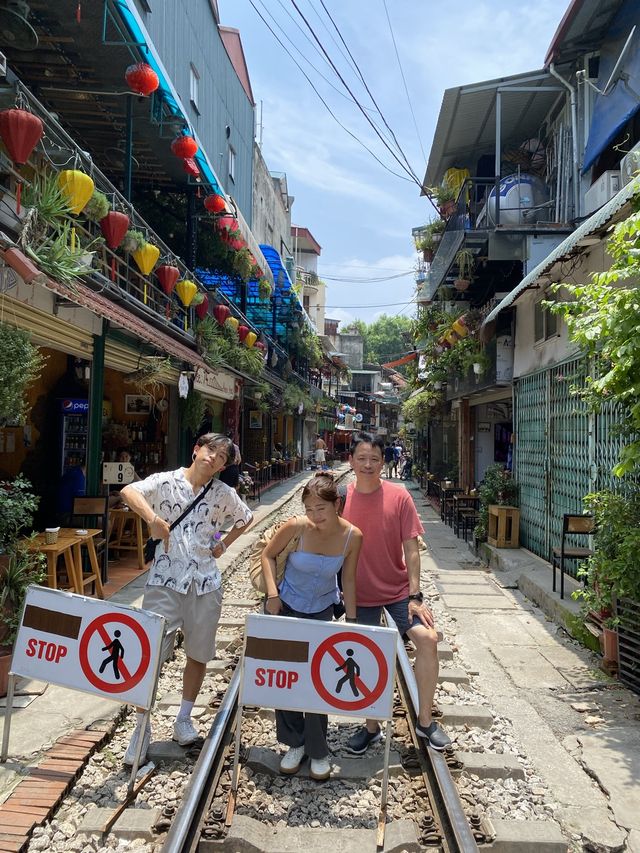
column 411, row 179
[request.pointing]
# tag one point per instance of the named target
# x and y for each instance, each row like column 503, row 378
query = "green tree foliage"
column 603, row 318
column 385, row 338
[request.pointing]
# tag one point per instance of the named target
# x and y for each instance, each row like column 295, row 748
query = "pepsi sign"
column 74, row 406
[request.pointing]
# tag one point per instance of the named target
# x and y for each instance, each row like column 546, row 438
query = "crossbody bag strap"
column 191, row 505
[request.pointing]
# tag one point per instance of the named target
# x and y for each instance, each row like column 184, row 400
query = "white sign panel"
column 504, row 358
column 320, row 667
column 117, row 472
column 215, row 383
column 90, row 645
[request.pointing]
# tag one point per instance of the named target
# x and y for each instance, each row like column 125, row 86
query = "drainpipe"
column 574, row 139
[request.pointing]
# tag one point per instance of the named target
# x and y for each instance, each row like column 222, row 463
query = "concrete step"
column 247, row 835
column 133, row 823
column 445, row 652
column 466, row 715
column 491, row 766
column 527, row 836
column 454, row 674
column 361, row 767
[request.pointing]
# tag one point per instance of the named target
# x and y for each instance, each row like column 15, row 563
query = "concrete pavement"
column 578, row 727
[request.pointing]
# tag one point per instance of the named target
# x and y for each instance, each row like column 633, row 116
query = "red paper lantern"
column 214, row 203
column 114, row 226
column 243, row 331
column 167, row 275
column 191, row 167
column 227, row 223
column 141, row 78
column 236, row 243
column 20, row 131
column 184, row 146
column 221, row 312
column 203, row 308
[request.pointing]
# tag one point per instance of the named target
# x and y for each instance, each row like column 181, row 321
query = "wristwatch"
column 418, row 596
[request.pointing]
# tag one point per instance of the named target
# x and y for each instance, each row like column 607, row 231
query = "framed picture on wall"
column 255, row 419
column 137, row 404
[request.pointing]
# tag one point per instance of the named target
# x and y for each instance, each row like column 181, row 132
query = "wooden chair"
column 572, row 525
column 94, row 512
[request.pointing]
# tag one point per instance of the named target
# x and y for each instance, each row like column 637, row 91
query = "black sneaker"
column 362, row 739
column 435, row 735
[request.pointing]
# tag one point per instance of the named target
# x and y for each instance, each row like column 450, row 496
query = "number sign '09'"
column 114, row 473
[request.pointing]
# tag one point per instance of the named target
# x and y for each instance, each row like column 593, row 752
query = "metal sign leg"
column 236, row 766
column 7, row 718
column 136, row 762
column 382, row 818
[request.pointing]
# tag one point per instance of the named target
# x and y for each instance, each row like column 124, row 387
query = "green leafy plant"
column 242, row 264
column 603, row 318
column 47, row 207
column 55, row 256
column 613, row 572
column 133, row 240
column 422, row 407
column 22, row 569
column 465, row 262
column 17, row 507
column 497, row 487
column 293, row 396
column 264, row 289
column 97, row 207
column 192, row 410
column 20, row 364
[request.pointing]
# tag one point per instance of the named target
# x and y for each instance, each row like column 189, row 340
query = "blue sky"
column 360, row 213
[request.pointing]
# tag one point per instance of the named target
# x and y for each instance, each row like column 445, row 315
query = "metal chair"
column 572, row 525
column 93, row 512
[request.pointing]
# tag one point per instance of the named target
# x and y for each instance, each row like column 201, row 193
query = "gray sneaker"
column 435, row 735
column 130, row 754
column 362, row 739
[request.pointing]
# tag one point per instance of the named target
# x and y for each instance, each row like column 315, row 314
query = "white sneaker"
column 130, row 754
column 320, row 768
column 185, row 732
column 292, row 760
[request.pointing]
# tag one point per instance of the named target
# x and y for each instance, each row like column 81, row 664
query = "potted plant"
column 424, row 243
column 612, row 573
column 497, row 487
column 465, row 262
column 20, row 364
column 133, row 241
column 445, row 200
column 97, row 207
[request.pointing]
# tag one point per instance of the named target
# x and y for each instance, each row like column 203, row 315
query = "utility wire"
column 406, row 89
column 350, row 280
column 326, row 105
column 364, row 83
column 407, row 169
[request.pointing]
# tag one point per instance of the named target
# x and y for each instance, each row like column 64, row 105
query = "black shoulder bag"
column 151, row 544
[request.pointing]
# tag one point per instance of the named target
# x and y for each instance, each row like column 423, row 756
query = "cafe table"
column 463, row 505
column 69, row 546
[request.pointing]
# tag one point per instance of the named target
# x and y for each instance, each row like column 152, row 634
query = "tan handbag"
column 255, row 557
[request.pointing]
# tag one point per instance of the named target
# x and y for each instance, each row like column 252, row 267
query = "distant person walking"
column 389, row 457
column 321, row 452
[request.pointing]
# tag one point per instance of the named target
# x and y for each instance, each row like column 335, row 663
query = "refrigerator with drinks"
column 74, row 415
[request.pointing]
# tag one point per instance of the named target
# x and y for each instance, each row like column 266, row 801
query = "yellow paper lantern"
column 233, row 322
column 186, row 290
column 146, row 257
column 451, row 337
column 251, row 339
column 460, row 328
column 77, row 187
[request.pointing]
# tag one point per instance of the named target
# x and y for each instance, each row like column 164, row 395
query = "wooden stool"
column 127, row 534
column 504, row 526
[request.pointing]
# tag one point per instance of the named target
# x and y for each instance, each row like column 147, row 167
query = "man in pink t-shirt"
column 389, row 577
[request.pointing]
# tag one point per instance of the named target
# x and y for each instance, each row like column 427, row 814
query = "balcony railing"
column 495, row 375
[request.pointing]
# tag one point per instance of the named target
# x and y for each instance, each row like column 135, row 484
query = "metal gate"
column 562, row 451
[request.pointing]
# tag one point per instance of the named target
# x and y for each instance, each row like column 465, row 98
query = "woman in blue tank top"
column 309, row 590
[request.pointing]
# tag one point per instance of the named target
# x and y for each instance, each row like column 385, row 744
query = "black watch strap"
column 418, row 596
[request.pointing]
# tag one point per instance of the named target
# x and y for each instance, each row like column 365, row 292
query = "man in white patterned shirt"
column 184, row 582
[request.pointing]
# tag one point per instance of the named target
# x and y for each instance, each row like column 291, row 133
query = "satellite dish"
column 15, row 30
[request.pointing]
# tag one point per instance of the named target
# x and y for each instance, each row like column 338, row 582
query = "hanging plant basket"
column 461, row 284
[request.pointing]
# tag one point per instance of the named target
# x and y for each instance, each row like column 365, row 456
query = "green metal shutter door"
column 569, row 447
column 530, row 461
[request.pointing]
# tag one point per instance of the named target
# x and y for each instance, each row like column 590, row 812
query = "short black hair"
column 365, row 438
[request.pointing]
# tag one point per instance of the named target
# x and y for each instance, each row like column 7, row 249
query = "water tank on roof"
column 521, row 201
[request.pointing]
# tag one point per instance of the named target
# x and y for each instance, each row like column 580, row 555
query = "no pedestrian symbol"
column 114, row 652
column 349, row 671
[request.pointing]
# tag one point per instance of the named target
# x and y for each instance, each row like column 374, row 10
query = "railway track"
column 435, row 801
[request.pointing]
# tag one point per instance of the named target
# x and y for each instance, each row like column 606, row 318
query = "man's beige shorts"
column 196, row 615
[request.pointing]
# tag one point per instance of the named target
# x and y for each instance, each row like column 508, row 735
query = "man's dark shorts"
column 398, row 610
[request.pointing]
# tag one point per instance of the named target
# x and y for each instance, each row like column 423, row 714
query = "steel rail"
column 455, row 823
column 183, row 823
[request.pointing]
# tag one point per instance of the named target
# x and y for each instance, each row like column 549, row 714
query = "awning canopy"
column 466, row 126
column 600, row 219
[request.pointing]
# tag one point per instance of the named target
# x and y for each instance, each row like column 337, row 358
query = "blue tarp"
column 611, row 112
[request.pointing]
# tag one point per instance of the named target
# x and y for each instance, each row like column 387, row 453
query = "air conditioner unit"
column 607, row 185
column 630, row 165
